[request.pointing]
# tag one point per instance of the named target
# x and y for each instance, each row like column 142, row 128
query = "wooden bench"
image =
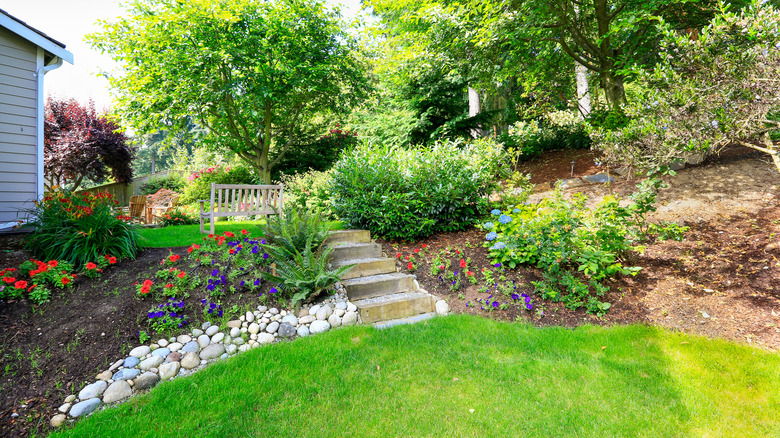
column 241, row 200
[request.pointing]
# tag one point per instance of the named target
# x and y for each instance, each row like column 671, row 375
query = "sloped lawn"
column 467, row 376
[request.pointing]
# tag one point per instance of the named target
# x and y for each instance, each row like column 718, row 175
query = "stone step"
column 378, row 285
column 404, row 321
column 367, row 267
column 355, row 251
column 395, row 306
column 349, row 236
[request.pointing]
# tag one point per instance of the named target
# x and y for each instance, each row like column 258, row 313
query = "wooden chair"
column 240, row 200
column 136, row 208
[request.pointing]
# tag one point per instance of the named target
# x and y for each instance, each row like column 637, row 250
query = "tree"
column 250, row 71
column 79, row 144
column 720, row 88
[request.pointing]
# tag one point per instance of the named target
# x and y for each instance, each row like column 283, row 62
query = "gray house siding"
column 18, row 125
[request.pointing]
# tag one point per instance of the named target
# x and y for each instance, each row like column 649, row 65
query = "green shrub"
column 576, row 247
column 309, row 190
column 79, row 229
column 556, row 130
column 318, row 155
column 179, row 216
column 410, row 193
column 199, row 183
column 173, row 182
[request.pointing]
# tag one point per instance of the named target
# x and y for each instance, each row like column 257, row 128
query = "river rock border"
column 166, row 359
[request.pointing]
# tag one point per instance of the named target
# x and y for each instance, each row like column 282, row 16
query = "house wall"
column 18, row 123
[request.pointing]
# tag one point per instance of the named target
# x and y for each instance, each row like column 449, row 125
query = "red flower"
column 21, row 284
column 406, row 257
column 462, row 263
column 181, row 274
column 145, row 290
column 398, row 256
column 9, row 279
column 196, row 246
column 232, row 251
column 168, row 286
column 416, row 250
column 424, row 246
column 244, row 232
column 457, row 251
column 174, row 257
column 410, row 266
column 469, row 273
column 189, row 250
column 441, row 267
column 91, row 266
column 229, row 234
column 53, row 263
column 64, row 280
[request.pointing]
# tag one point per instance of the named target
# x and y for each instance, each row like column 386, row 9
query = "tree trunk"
column 614, row 90
column 474, row 109
column 583, row 92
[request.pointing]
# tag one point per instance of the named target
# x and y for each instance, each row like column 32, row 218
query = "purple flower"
column 515, row 296
column 495, row 304
column 255, row 250
column 273, row 290
column 529, row 306
column 265, row 256
column 262, row 242
column 497, row 265
column 242, row 283
column 215, row 272
column 211, row 286
column 257, row 282
column 453, row 282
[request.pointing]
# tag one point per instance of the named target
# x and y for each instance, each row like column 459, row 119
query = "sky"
column 68, row 21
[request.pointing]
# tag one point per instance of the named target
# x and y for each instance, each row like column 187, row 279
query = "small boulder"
column 286, row 330
column 141, row 351
column 169, row 370
column 319, row 326
column 212, row 351
column 146, row 381
column 83, row 408
column 118, row 390
column 93, row 390
column 190, row 361
column 349, row 318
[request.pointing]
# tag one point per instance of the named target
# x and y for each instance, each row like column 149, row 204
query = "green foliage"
column 250, row 71
column 292, row 230
column 409, row 193
column 318, row 155
column 199, row 183
column 302, row 273
column 171, row 182
column 79, row 229
column 556, row 130
column 309, row 191
column 608, row 119
column 564, row 238
column 705, row 93
column 178, row 216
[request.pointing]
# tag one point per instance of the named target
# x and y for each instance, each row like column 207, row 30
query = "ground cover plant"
column 627, row 381
column 410, row 193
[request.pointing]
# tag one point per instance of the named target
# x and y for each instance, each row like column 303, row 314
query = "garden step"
column 395, row 306
column 404, row 321
column 378, row 285
column 367, row 267
column 349, row 236
column 355, row 251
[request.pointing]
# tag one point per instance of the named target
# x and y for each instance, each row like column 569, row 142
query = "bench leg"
column 202, row 229
column 212, row 224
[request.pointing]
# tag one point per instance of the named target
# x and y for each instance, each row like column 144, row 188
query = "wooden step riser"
column 379, row 288
column 375, row 267
column 350, row 236
column 396, row 309
column 346, row 253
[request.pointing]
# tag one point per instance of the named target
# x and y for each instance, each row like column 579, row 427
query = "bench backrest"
column 237, row 199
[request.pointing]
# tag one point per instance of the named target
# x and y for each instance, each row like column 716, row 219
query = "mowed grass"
column 466, row 376
column 186, row 235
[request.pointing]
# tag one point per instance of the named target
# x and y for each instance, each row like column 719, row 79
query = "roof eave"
column 35, row 38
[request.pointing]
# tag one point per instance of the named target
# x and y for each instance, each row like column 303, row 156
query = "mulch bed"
column 726, row 270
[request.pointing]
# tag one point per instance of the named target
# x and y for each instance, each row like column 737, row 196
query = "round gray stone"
column 83, row 408
column 303, row 331
column 191, row 347
column 163, row 342
column 249, row 317
column 57, row 420
column 175, row 346
column 334, row 320
column 190, row 361
column 150, row 363
column 140, row 351
column 265, row 338
column 118, row 390
column 313, row 309
column 286, row 330
column 235, row 332
column 169, row 370
column 442, row 308
column 217, row 338
column 212, row 351
column 204, row 340
column 272, row 327
column 254, row 328
column 162, row 352
column 211, row 331
column 146, row 381
column 93, row 390
column 341, row 305
column 307, row 319
column 349, row 318
column 126, row 374
column 291, row 319
column 183, row 339
column 319, row 326
column 351, row 307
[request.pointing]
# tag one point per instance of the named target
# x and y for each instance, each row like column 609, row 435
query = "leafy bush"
column 173, row 182
column 318, row 155
column 303, row 272
column 564, row 238
column 409, row 193
column 556, row 130
column 309, row 191
column 178, row 216
column 294, row 228
column 36, row 278
column 199, row 183
column 79, row 229
column 705, row 94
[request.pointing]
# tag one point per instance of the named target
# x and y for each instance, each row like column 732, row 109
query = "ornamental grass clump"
column 79, row 228
column 400, row 193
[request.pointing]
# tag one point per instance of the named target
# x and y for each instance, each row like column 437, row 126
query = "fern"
column 292, row 229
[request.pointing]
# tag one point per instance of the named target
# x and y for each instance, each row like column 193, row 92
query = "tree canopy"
column 80, row 145
column 252, row 72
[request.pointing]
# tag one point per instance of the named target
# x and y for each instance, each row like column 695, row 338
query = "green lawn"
column 185, row 235
column 467, row 376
